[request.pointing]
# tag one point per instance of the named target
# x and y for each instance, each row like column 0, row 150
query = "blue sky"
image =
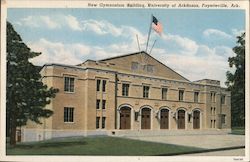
column 195, row 43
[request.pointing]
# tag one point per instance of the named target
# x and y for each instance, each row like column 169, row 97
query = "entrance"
column 125, row 118
column 196, row 119
column 145, row 118
column 164, row 119
column 181, row 119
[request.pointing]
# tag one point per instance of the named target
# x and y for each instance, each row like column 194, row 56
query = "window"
column 68, row 114
column 223, row 97
column 103, row 104
column 134, row 65
column 196, row 97
column 150, row 68
column 104, row 85
column 213, row 97
column 97, row 104
column 164, row 92
column 214, row 111
column 145, row 91
column 103, row 122
column 223, row 118
column 98, row 84
column 97, row 122
column 125, row 89
column 181, row 95
column 69, row 84
column 214, row 123
column 211, row 110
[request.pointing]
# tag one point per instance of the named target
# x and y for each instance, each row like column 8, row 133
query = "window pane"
column 125, row 89
column 103, row 104
column 164, row 93
column 97, row 122
column 150, row 68
column 223, row 119
column 196, row 96
column 97, row 104
column 145, row 91
column 104, row 85
column 71, row 115
column 69, row 84
column 223, row 99
column 72, row 84
column 181, row 93
column 68, row 114
column 65, row 114
column 66, row 84
column 103, row 122
column 98, row 83
column 134, row 65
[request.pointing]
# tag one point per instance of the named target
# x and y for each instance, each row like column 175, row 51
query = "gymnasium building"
column 129, row 94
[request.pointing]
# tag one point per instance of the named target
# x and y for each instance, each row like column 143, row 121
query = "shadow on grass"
column 49, row 144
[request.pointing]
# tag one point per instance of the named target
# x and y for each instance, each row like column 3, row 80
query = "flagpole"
column 149, row 32
column 138, row 43
column 152, row 47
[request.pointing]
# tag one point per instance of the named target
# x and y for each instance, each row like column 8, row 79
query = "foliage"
column 236, row 82
column 26, row 94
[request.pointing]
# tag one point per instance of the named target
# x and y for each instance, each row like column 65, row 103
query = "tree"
column 26, row 96
column 236, row 82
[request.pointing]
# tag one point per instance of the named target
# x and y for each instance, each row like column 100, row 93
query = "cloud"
column 50, row 23
column 216, row 33
column 57, row 52
column 38, row 21
column 237, row 32
column 203, row 62
column 29, row 21
column 104, row 27
column 182, row 44
column 73, row 23
column 75, row 53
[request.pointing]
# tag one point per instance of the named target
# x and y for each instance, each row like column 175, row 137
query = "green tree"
column 27, row 96
column 236, row 82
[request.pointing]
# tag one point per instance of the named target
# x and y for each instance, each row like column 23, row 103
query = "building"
column 129, row 93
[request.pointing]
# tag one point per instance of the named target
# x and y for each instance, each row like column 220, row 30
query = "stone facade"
column 128, row 93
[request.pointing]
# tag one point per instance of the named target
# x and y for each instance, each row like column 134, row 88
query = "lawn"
column 113, row 146
column 238, row 130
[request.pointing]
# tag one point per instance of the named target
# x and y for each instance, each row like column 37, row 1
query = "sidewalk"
column 203, row 141
column 234, row 152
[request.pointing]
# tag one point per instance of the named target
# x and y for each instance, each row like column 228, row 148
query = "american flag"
column 157, row 25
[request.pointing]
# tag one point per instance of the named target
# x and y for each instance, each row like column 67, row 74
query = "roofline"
column 110, row 58
column 114, row 57
column 63, row 65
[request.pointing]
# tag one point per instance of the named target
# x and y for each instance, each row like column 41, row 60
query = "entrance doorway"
column 181, row 119
column 196, row 119
column 146, row 118
column 164, row 119
column 125, row 118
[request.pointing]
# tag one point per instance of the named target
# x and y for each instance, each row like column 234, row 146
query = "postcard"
column 124, row 80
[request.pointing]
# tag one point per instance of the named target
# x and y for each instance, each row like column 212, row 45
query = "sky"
column 195, row 43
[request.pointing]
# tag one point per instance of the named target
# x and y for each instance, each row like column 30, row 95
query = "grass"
column 238, row 130
column 112, row 146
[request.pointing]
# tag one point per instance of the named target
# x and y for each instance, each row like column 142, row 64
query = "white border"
column 244, row 4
